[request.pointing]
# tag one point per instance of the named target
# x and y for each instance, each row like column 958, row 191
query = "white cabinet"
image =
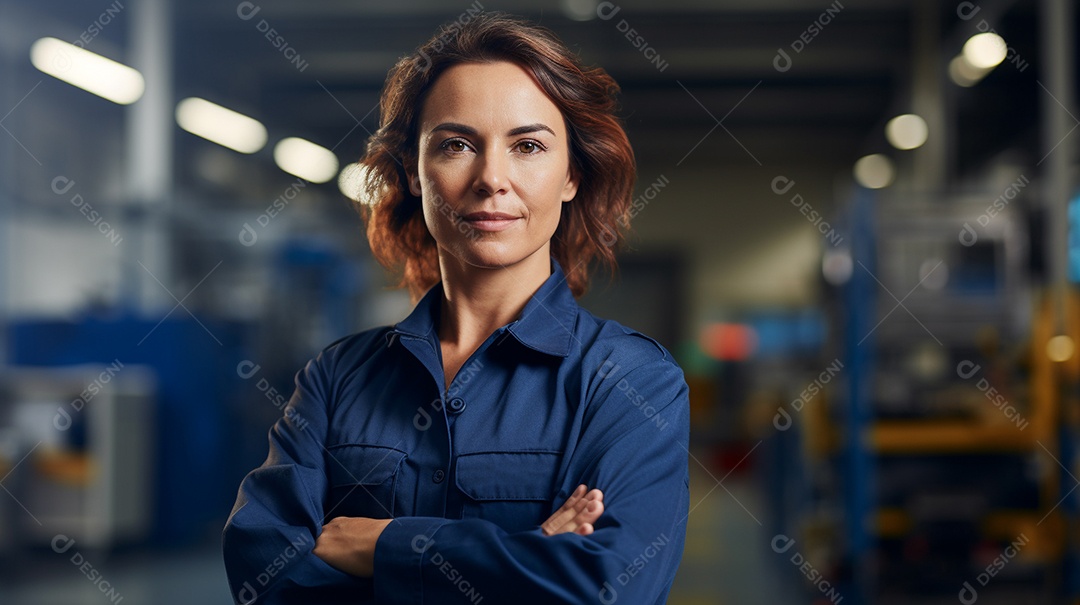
column 77, row 448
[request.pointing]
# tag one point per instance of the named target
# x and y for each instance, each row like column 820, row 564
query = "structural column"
column 148, row 167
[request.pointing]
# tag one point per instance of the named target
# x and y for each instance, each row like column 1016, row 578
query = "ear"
column 571, row 186
column 414, row 181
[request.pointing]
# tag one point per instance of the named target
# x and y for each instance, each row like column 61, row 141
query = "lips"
column 488, row 216
column 490, row 221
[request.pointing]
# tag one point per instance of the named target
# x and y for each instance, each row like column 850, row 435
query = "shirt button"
column 438, row 476
column 456, row 405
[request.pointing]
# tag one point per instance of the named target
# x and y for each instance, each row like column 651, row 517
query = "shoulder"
column 629, row 380
column 324, row 374
column 349, row 351
column 615, row 357
column 360, row 344
column 608, row 343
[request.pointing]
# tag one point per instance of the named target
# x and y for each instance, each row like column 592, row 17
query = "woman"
column 500, row 444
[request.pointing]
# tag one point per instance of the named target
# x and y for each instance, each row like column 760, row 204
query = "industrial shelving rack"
column 931, row 393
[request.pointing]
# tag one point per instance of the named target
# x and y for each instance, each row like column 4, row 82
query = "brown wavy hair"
column 591, row 226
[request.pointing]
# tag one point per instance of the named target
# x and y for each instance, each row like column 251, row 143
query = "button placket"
column 456, row 405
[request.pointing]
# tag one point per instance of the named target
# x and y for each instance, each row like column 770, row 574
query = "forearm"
column 431, row 560
column 265, row 563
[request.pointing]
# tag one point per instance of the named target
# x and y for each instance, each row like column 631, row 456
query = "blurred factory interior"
column 857, row 229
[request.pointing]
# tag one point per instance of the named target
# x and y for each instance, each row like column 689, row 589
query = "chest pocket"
column 362, row 480
column 513, row 490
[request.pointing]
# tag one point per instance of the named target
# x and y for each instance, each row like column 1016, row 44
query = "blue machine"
column 196, row 380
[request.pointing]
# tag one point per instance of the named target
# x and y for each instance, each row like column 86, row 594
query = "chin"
column 490, row 255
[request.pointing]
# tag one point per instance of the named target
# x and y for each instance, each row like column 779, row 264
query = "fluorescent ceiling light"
column 89, row 71
column 907, row 131
column 220, row 125
column 302, row 158
column 985, row 50
column 965, row 74
column 874, row 171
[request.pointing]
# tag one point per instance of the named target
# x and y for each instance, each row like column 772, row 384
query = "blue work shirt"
column 553, row 399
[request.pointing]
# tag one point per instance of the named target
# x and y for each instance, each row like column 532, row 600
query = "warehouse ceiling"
column 733, row 83
column 699, row 68
column 724, row 90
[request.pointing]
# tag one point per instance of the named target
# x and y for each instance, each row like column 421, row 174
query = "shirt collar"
column 546, row 323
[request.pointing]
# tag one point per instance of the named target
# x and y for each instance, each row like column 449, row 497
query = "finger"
column 567, row 511
column 575, row 509
column 574, row 500
column 578, row 509
column 591, row 513
column 585, row 530
column 587, row 516
column 577, row 496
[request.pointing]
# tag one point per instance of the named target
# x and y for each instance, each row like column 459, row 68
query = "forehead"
column 494, row 95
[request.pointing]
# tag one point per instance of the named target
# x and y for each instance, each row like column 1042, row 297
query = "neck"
column 479, row 300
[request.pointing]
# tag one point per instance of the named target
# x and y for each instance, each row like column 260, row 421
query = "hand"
column 348, row 544
column 577, row 514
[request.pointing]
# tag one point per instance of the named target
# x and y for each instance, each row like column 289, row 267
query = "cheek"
column 545, row 214
column 437, row 185
column 542, row 187
column 434, row 208
column 444, row 181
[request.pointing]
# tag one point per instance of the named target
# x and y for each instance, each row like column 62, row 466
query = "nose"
column 491, row 174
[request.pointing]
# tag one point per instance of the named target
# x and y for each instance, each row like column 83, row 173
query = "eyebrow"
column 537, row 127
column 469, row 130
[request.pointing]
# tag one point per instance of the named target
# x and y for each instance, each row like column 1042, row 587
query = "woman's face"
column 493, row 165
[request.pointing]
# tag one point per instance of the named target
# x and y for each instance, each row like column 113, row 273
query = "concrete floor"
column 726, row 553
column 166, row 578
column 727, row 561
column 727, row 556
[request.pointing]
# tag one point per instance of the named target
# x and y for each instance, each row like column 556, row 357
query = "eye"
column 454, row 146
column 529, row 147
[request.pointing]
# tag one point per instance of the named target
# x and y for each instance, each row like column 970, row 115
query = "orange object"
column 728, row 342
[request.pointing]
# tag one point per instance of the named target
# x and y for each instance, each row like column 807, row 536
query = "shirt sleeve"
column 635, row 450
column 269, row 537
